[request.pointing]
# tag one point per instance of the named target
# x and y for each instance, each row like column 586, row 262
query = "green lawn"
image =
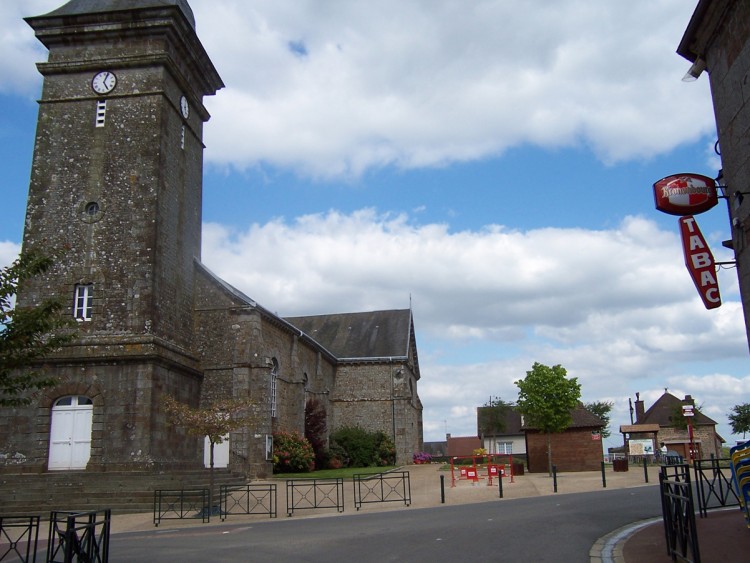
column 345, row 473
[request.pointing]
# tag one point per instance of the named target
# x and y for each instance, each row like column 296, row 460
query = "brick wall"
column 572, row 450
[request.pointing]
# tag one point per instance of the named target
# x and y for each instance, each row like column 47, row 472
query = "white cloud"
column 615, row 307
column 336, row 89
column 8, row 252
column 428, row 83
column 20, row 49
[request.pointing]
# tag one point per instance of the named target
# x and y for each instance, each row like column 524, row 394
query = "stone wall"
column 722, row 39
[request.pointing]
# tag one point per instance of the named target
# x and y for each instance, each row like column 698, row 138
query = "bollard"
column 645, row 469
column 604, row 477
column 500, row 483
column 442, row 489
column 554, row 477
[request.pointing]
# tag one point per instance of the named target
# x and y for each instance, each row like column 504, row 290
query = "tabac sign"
column 685, row 194
column 700, row 262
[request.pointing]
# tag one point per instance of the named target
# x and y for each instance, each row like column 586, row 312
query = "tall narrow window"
column 82, row 302
column 101, row 112
column 274, row 376
column 182, row 138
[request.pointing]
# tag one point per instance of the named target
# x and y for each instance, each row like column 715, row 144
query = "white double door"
column 70, row 434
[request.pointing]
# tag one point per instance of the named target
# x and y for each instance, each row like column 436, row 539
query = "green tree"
column 739, row 419
column 545, row 398
column 215, row 421
column 491, row 417
column 602, row 410
column 27, row 334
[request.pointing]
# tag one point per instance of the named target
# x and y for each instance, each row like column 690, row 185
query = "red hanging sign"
column 700, row 262
column 685, row 194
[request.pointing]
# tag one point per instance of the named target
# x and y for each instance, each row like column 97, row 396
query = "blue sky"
column 489, row 163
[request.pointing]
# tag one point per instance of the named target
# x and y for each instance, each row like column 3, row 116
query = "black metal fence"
column 678, row 511
column 248, row 499
column 18, row 538
column 79, row 536
column 181, row 503
column 394, row 486
column 713, row 479
column 306, row 494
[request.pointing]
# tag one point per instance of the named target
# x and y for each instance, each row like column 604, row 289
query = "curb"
column 609, row 548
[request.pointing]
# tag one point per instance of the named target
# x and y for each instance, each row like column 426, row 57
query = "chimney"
column 639, row 410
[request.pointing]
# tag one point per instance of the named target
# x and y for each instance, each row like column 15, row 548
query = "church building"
column 115, row 195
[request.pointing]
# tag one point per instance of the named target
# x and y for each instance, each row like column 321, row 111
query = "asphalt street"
column 539, row 529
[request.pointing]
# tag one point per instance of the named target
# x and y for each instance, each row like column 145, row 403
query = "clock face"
column 184, row 107
column 104, row 82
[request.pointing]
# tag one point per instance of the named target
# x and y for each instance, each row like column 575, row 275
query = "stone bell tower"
column 115, row 194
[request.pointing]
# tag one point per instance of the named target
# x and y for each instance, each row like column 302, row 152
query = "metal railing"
column 678, row 511
column 382, row 487
column 247, row 499
column 306, row 494
column 713, row 478
column 18, row 538
column 181, row 503
column 79, row 536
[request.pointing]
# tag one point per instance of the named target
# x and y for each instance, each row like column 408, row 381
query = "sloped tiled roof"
column 375, row 334
column 581, row 418
column 664, row 409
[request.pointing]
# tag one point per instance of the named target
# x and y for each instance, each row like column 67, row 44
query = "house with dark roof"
column 664, row 424
column 500, row 430
column 578, row 448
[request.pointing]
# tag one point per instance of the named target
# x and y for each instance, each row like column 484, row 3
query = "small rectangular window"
column 82, row 302
column 505, row 448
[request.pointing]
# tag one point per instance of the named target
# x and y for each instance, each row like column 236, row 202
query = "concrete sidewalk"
column 722, row 537
column 425, row 481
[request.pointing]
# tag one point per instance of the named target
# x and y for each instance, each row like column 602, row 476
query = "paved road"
column 555, row 528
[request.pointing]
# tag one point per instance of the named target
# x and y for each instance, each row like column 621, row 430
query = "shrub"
column 315, row 431
column 421, row 457
column 292, row 453
column 385, row 450
column 355, row 447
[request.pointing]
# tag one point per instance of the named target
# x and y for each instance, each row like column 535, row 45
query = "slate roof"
column 370, row 335
column 511, row 422
column 79, row 7
column 664, row 409
column 582, row 418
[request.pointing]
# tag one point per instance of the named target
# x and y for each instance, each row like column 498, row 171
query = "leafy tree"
column 545, row 398
column 491, row 417
column 739, row 419
column 602, row 410
column 216, row 421
column 27, row 334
